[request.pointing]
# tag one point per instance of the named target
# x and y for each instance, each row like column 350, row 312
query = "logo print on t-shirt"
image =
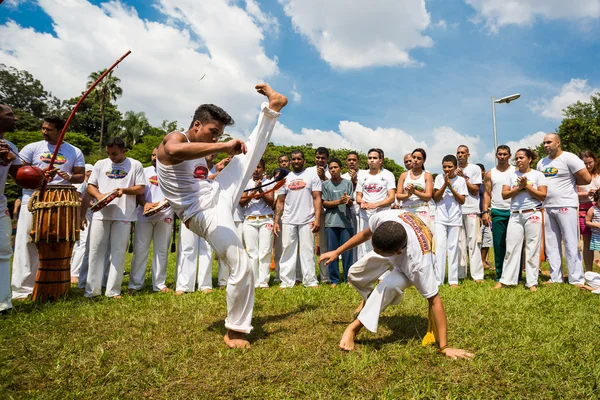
column 534, row 218
column 116, row 173
column 297, row 185
column 200, row 172
column 550, row 172
column 46, row 157
column 153, row 180
column 372, row 188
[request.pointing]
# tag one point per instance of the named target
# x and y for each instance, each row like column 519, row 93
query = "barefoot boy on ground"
column 402, row 246
column 205, row 205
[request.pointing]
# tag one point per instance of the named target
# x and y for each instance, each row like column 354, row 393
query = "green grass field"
column 528, row 345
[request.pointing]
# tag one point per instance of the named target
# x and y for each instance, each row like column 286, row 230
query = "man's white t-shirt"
column 299, row 207
column 39, row 155
column 416, row 261
column 108, row 176
column 471, row 206
column 257, row 207
column 4, row 167
column 523, row 200
column 355, row 209
column 560, row 174
column 314, row 169
column 448, row 210
column 153, row 194
column 374, row 188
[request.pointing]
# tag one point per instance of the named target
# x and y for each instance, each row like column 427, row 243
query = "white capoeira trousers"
column 80, row 257
column 297, row 240
column 362, row 276
column 194, row 254
column 216, row 224
column 446, row 242
column 472, row 232
column 258, row 239
column 5, row 253
column 26, row 259
column 592, row 279
column 158, row 232
column 366, row 247
column 562, row 224
column 223, row 270
column 107, row 237
column 530, row 225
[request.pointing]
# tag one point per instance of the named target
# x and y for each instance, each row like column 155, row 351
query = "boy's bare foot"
column 276, row 100
column 179, row 293
column 117, row 297
column 347, row 342
column 165, row 290
column 236, row 340
column 454, row 285
column 333, row 284
column 533, row 289
column 497, row 286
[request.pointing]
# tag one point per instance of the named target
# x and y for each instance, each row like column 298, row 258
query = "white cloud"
column 269, row 22
column 296, row 97
column 572, row 92
column 533, row 140
column 357, row 35
column 161, row 76
column 442, row 24
column 395, row 142
column 498, row 13
column 13, row 3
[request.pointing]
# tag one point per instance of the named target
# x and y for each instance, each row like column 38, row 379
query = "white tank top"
column 186, row 186
column 414, row 201
column 498, row 180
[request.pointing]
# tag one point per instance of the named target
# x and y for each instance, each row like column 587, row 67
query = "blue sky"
column 360, row 74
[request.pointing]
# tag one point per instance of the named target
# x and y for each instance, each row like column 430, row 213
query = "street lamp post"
column 506, row 100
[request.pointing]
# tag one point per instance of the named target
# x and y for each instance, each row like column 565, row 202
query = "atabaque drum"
column 55, row 229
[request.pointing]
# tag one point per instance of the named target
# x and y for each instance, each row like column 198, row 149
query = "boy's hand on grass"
column 457, row 353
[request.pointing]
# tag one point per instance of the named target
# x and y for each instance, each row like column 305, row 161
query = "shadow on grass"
column 404, row 328
column 258, row 323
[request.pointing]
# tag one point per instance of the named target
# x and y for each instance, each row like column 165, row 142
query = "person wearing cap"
column 79, row 260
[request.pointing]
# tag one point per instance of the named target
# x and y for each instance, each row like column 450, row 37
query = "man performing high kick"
column 206, row 206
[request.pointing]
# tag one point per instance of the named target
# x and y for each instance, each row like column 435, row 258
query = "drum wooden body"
column 55, row 230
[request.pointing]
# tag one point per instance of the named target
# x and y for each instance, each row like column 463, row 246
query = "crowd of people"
column 359, row 217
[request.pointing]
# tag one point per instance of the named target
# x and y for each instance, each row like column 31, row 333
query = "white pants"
column 158, row 232
column 277, row 256
column 258, row 239
column 81, row 250
column 107, row 237
column 366, row 247
column 297, row 239
column 362, row 276
column 592, row 279
column 446, row 241
column 194, row 254
column 519, row 225
column 26, row 260
column 323, row 268
column 562, row 224
column 223, row 270
column 5, row 253
column 470, row 246
column 216, row 225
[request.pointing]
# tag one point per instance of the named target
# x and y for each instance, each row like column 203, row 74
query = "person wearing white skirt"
column 527, row 190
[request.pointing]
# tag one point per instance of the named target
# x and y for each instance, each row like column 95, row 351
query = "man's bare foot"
column 578, row 285
column 359, row 308
column 117, row 297
column 264, row 288
column 497, row 286
column 333, row 284
column 347, row 342
column 74, row 280
column 179, row 293
column 276, row 100
column 313, row 286
column 478, row 280
column 222, row 287
column 533, row 289
column 206, row 290
column 165, row 290
column 454, row 285
column 236, row 340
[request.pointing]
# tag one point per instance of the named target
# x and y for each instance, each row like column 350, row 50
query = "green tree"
column 131, row 128
column 88, row 118
column 106, row 91
column 580, row 128
column 143, row 151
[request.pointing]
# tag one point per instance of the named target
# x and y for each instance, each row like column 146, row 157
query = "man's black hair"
column 209, row 112
column 322, row 150
column 450, row 158
column 115, row 141
column 389, row 237
column 298, row 152
column 55, row 120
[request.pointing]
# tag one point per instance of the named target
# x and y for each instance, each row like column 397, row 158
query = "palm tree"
column 131, row 128
column 106, row 91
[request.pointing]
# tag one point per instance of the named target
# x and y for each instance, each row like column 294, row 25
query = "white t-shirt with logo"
column 4, row 167
column 374, row 188
column 416, row 261
column 523, row 200
column 153, row 194
column 257, row 207
column 39, row 155
column 299, row 207
column 448, row 210
column 471, row 206
column 107, row 176
column 560, row 174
